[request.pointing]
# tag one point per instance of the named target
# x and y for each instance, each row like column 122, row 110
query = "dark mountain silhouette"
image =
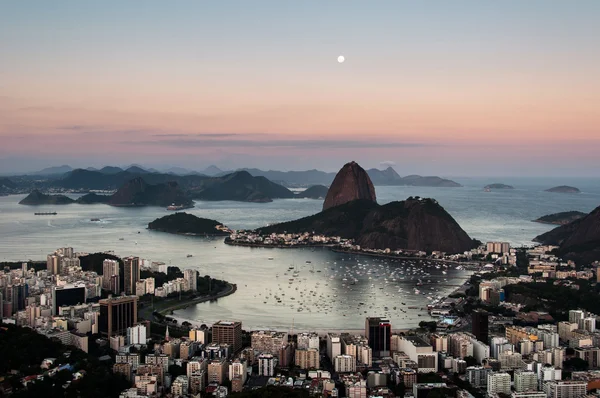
column 212, row 171
column 563, row 189
column 93, row 198
column 139, row 193
column 428, row 181
column 314, row 192
column 135, row 169
column 55, row 170
column 385, row 177
column 498, row 186
column 110, row 170
column 7, row 183
column 240, row 186
column 351, row 183
column 38, row 198
column 185, row 223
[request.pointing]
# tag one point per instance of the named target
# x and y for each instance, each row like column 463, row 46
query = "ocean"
column 327, row 301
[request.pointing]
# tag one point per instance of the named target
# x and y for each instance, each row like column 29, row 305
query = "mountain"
column 240, row 186
column 53, row 170
column 562, row 218
column 38, row 198
column 314, row 192
column 7, row 183
column 563, row 189
column 139, row 193
column 385, row 177
column 429, row 181
column 498, row 186
column 93, row 198
column 212, row 171
column 180, row 171
column 351, row 183
column 110, row 170
column 413, row 224
column 135, row 169
column 188, row 224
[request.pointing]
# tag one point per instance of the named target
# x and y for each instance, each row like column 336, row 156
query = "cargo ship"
column 47, row 213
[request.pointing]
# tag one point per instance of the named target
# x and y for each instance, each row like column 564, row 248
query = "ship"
column 47, row 213
column 175, row 207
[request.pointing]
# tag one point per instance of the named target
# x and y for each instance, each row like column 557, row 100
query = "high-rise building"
column 525, row 380
column 344, row 364
column 117, row 314
column 191, row 279
column 565, row 389
column 266, row 365
column 498, row 247
column 307, row 358
column 308, row 340
column 71, row 294
column 53, row 264
column 477, row 376
column 334, row 345
column 109, row 269
column 378, row 332
column 589, row 324
column 480, row 327
column 132, row 274
column 228, row 333
column 217, row 369
column 577, row 316
column 136, row 335
column 238, row 368
column 498, row 383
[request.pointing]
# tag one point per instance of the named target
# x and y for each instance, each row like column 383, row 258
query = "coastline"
column 186, row 233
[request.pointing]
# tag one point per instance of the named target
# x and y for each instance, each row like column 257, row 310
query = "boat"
column 121, row 238
column 94, row 219
column 270, row 258
column 175, row 207
column 47, row 213
column 189, row 255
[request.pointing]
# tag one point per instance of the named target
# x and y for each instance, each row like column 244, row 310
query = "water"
column 498, row 215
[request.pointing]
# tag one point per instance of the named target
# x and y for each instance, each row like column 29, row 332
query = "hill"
column 563, row 189
column 93, row 198
column 314, row 192
column 350, row 183
column 55, row 170
column 561, row 218
column 240, row 186
column 188, row 224
column 413, row 224
column 385, row 177
column 38, row 198
column 429, row 181
column 139, row 193
column 498, row 186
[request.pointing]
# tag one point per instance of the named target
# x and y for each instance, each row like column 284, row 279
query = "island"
column 138, row 192
column 93, row 198
column 563, row 189
column 561, row 218
column 314, row 192
column 36, row 198
column 182, row 223
column 498, row 186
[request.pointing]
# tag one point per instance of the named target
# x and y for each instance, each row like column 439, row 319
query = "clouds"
column 387, row 163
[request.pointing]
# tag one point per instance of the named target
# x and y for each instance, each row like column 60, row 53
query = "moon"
column 341, row 59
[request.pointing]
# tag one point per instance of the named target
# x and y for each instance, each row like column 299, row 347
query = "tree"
column 176, row 370
column 471, row 361
column 576, row 364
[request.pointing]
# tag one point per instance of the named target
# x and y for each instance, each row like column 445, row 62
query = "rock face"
column 579, row 240
column 413, row 224
column 38, row 198
column 138, row 193
column 351, row 183
column 564, row 189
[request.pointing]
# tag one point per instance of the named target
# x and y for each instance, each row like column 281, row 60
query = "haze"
column 447, row 88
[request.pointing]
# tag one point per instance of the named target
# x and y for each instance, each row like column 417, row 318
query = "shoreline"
column 231, row 288
column 186, row 233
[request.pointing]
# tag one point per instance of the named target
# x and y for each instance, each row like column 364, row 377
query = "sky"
column 450, row 88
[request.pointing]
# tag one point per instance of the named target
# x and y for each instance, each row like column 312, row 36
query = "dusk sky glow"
column 456, row 88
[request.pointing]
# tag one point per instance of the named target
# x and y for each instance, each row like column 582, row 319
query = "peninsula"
column 38, row 198
column 561, row 218
column 563, row 189
column 188, row 224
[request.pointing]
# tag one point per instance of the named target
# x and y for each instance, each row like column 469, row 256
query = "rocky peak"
column 351, row 183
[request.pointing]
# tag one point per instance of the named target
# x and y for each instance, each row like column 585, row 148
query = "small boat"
column 189, row 255
column 94, row 219
column 121, row 238
column 270, row 258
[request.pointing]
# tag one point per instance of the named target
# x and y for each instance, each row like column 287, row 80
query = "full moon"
column 341, row 59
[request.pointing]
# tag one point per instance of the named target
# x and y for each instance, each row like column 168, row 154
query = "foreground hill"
column 38, row 198
column 240, row 186
column 578, row 240
column 138, row 192
column 188, row 224
column 413, row 224
column 561, row 218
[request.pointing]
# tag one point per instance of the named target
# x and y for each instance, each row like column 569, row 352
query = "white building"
column 266, row 365
column 565, row 389
column 180, row 386
column 334, row 345
column 191, row 279
column 420, row 352
column 344, row 364
column 308, row 340
column 525, row 380
column 136, row 335
column 238, row 369
column 498, row 383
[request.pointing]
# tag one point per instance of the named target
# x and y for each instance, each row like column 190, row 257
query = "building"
column 565, row 389
column 266, row 365
column 477, row 376
column 110, row 268
column 344, row 364
column 180, row 386
column 589, row 324
column 525, row 380
column 307, row 358
column 498, row 247
column 268, row 342
column 419, row 351
column 334, row 345
column 66, row 295
column 197, row 380
column 480, row 326
column 117, row 314
column 577, row 316
column 136, row 335
column 228, row 333
column 191, row 279
column 378, row 332
column 238, row 369
column 589, row 354
column 132, row 274
column 217, row 370
column 308, row 340
column 498, row 383
column 528, row 394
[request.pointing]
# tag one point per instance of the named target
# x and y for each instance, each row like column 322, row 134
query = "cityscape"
column 273, row 199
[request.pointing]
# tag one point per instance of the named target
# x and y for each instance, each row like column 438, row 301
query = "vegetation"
column 22, row 351
column 185, row 223
column 430, row 326
column 272, row 392
column 561, row 218
column 36, row 265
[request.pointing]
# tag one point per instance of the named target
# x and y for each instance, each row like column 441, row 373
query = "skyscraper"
column 132, row 274
column 117, row 314
column 71, row 294
column 378, row 331
column 109, row 269
column 228, row 333
column 479, row 320
column 191, row 279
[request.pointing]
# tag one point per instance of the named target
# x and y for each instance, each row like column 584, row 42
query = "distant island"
column 240, row 186
column 314, row 192
column 93, row 198
column 36, row 198
column 188, row 224
column 498, row 186
column 561, row 218
column 563, row 189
